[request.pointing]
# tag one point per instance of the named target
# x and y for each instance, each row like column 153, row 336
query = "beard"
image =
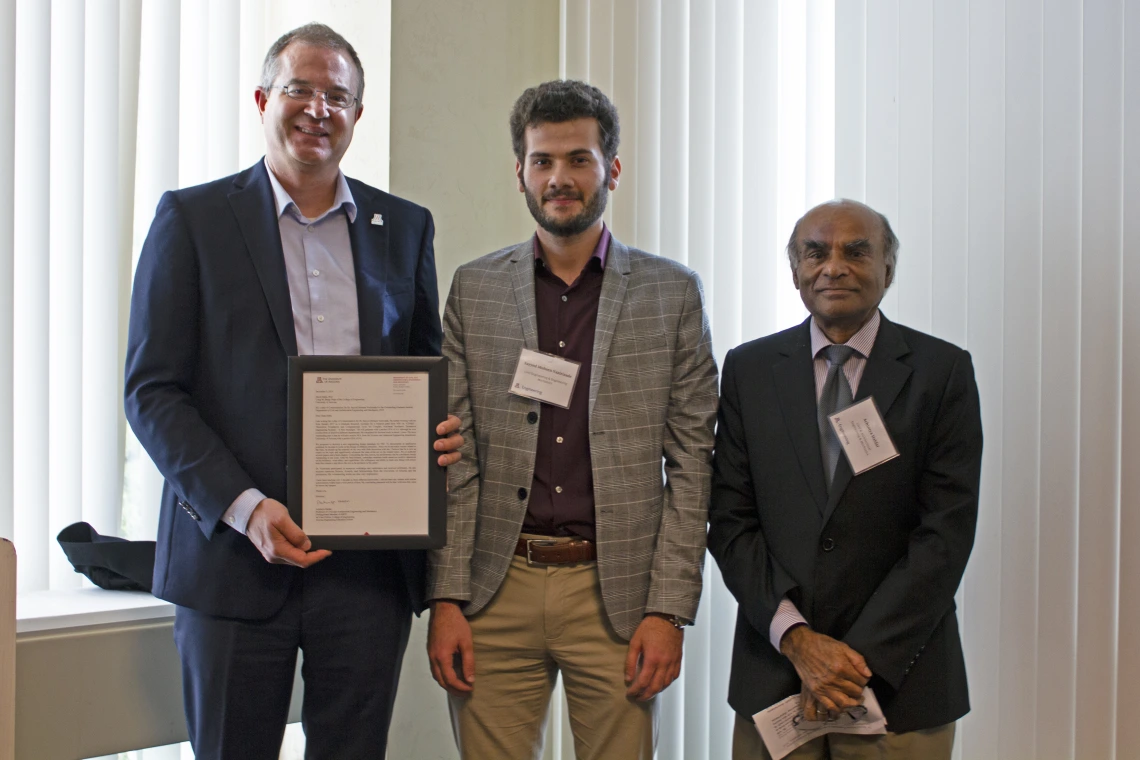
column 591, row 212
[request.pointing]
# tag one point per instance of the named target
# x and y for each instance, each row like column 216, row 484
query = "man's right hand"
column 280, row 540
column 833, row 672
column 449, row 634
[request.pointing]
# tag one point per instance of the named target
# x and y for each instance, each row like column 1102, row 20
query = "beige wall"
column 457, row 67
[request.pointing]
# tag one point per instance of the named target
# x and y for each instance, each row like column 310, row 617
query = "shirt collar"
column 862, row 341
column 600, row 250
column 284, row 201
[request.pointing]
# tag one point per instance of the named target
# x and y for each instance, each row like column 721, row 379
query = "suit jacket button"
column 532, row 417
column 828, row 544
column 522, row 491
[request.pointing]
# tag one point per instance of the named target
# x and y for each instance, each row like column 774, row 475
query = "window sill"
column 40, row 611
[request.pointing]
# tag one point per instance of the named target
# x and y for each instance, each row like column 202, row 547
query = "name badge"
column 545, row 377
column 863, row 436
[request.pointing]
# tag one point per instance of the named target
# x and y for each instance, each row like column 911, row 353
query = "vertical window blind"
column 1001, row 139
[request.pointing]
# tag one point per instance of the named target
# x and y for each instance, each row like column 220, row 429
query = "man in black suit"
column 846, row 581
column 288, row 257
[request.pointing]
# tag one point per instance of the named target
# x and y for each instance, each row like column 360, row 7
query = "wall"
column 457, row 67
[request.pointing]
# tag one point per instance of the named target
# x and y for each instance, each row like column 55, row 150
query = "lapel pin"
column 378, row 220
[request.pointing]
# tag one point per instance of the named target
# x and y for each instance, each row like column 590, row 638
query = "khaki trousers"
column 545, row 620
column 929, row 744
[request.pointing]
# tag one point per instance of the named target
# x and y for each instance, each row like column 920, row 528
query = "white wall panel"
column 1128, row 665
column 791, row 140
column 882, row 149
column 950, row 220
column 702, row 89
column 728, row 141
column 647, row 234
column 914, row 222
column 574, row 57
column 984, row 297
column 850, row 98
column 819, row 112
column 602, row 48
column 625, row 74
column 1060, row 374
column 1020, row 402
column 761, row 240
column 1100, row 386
column 674, row 162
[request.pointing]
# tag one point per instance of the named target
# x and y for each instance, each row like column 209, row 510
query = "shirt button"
column 557, row 489
column 532, row 417
column 522, row 494
column 309, row 228
column 562, row 344
column 564, row 298
column 320, row 318
column 558, row 439
column 316, row 273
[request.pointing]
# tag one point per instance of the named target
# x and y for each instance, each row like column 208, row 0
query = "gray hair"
column 314, row 34
column 890, row 240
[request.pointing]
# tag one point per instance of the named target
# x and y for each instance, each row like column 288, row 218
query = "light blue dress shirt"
column 322, row 291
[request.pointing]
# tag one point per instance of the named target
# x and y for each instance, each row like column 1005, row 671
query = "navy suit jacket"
column 876, row 562
column 211, row 330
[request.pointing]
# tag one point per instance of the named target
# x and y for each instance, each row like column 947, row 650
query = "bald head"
column 842, row 256
column 886, row 236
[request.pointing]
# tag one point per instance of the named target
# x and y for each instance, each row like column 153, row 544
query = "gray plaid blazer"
column 653, row 397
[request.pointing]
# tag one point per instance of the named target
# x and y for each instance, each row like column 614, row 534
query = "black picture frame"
column 436, row 369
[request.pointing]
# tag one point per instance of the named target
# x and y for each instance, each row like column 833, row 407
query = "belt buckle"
column 531, row 543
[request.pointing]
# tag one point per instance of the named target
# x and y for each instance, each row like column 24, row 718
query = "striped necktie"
column 836, row 396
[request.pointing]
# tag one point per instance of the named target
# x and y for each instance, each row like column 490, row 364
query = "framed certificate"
column 362, row 470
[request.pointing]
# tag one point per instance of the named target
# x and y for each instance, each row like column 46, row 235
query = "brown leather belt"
column 539, row 551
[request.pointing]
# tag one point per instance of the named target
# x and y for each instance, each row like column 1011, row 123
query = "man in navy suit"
column 846, row 581
column 288, row 257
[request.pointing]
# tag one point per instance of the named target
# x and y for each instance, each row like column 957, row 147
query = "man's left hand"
column 450, row 441
column 654, row 658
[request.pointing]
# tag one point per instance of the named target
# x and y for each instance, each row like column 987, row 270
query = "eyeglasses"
column 337, row 100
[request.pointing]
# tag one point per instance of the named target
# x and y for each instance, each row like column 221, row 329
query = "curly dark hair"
column 564, row 100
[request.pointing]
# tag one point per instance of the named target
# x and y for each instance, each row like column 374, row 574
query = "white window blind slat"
column 7, row 259
column 998, row 137
column 65, row 294
column 32, row 77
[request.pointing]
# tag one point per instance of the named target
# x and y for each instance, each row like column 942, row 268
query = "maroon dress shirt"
column 562, row 492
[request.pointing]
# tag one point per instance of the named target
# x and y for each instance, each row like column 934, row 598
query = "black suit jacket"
column 875, row 564
column 211, row 330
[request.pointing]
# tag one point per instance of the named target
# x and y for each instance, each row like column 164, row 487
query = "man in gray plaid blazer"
column 567, row 550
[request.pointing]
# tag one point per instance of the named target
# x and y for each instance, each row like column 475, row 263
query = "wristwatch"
column 676, row 620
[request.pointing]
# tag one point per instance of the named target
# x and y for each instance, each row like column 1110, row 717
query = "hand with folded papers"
column 833, row 673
